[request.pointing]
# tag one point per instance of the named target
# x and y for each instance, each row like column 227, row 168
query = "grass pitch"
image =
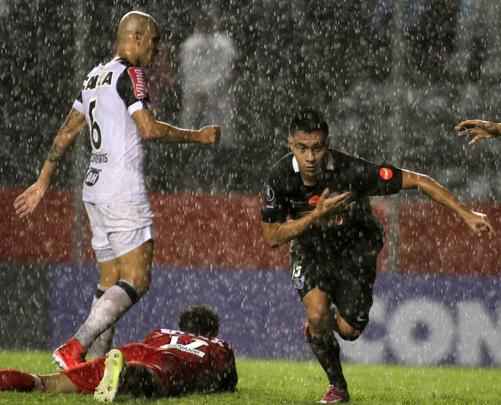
column 287, row 382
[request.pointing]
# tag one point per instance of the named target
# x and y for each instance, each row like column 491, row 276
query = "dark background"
column 393, row 77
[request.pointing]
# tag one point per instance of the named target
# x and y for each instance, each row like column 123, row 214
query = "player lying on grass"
column 166, row 363
column 317, row 198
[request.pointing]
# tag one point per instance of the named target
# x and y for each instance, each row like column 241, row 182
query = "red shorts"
column 87, row 375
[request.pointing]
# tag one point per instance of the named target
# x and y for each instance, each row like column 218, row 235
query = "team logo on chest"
column 313, row 200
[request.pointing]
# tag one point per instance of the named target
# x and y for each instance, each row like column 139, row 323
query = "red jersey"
column 204, row 361
column 183, row 362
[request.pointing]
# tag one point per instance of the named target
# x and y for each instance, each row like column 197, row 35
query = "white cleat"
column 107, row 388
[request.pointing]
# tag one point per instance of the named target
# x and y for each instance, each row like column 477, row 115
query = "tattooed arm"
column 26, row 202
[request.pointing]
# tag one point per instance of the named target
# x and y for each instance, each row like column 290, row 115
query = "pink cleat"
column 70, row 354
column 334, row 395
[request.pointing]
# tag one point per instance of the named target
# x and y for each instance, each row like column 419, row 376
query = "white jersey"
column 110, row 95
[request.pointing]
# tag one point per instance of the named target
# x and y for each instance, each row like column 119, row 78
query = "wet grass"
column 287, row 382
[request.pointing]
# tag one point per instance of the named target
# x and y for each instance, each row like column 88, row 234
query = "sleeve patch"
column 138, row 80
column 386, row 173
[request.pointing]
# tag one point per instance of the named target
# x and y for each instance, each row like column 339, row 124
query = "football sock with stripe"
column 104, row 341
column 114, row 303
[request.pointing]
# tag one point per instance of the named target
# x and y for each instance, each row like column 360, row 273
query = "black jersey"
column 285, row 196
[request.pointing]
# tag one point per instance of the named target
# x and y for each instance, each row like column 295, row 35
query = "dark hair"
column 308, row 120
column 200, row 320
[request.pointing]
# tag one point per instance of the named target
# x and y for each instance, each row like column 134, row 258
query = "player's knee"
column 318, row 322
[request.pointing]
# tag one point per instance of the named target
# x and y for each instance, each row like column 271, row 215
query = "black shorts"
column 347, row 278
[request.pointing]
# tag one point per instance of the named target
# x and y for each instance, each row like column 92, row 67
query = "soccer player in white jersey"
column 113, row 102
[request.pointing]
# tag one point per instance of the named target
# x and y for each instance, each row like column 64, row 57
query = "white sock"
column 104, row 341
column 115, row 302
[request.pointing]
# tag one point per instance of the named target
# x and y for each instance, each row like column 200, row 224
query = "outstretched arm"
column 151, row 128
column 476, row 221
column 26, row 202
column 478, row 130
column 278, row 233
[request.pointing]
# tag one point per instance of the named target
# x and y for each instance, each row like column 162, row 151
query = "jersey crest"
column 138, row 80
column 313, row 200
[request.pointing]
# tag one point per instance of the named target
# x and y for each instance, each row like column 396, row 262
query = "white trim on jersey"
column 138, row 105
column 77, row 105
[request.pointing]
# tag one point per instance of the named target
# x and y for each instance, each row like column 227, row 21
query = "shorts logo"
column 385, row 173
column 269, row 194
column 138, row 79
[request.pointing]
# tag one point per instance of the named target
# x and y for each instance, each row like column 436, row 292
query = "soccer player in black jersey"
column 318, row 199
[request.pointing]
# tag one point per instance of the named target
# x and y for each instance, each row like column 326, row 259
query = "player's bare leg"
column 320, row 334
column 14, row 380
column 58, row 383
column 135, row 267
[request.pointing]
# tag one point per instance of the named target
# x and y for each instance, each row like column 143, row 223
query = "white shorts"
column 118, row 228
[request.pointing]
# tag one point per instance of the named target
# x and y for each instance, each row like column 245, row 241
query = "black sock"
column 327, row 350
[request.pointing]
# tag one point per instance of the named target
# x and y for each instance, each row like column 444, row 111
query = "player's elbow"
column 149, row 132
column 146, row 124
column 272, row 242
